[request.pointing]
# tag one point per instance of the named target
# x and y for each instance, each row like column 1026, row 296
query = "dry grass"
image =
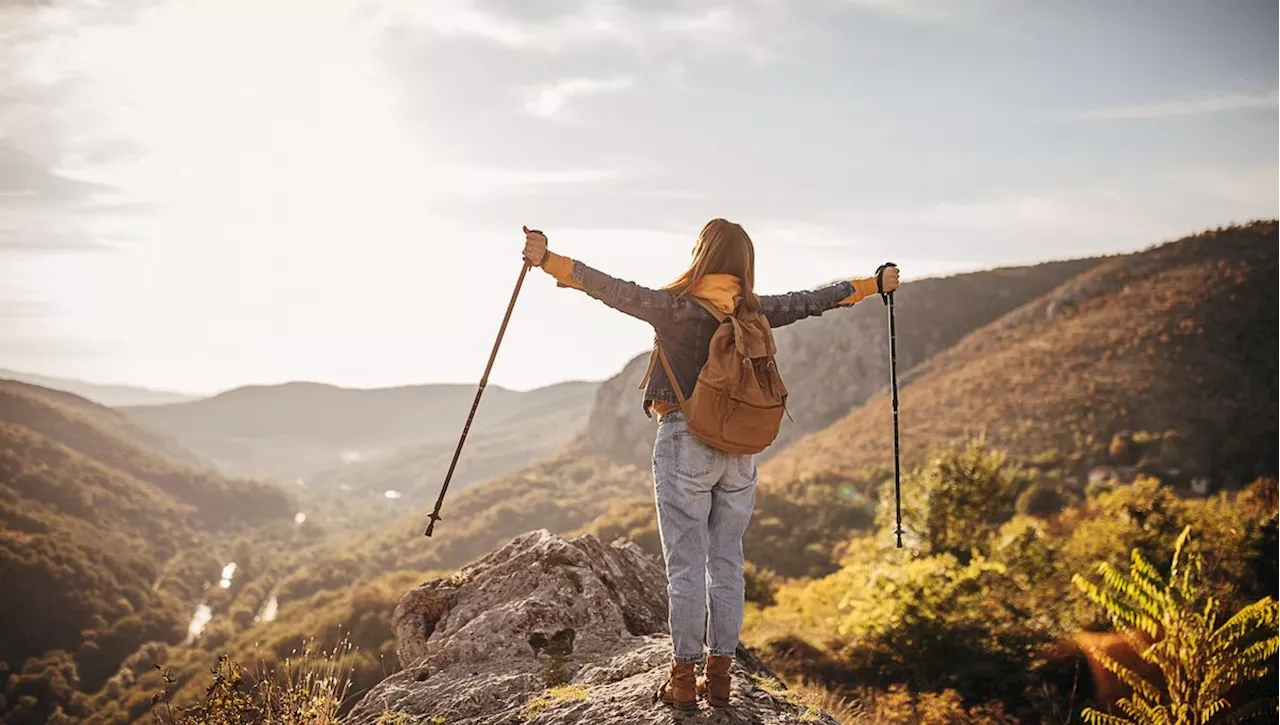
column 305, row 689
column 552, row 697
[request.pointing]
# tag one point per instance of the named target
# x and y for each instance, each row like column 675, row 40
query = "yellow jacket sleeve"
column 862, row 289
column 561, row 268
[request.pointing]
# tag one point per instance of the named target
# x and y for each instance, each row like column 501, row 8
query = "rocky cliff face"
column 546, row 630
column 838, row 361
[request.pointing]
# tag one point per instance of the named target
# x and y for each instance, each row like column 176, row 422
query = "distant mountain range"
column 108, row 395
column 295, row 430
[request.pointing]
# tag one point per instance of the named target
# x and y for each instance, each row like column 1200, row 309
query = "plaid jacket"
column 684, row 328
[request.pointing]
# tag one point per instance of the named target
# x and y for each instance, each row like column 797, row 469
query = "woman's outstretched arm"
column 654, row 306
column 786, row 308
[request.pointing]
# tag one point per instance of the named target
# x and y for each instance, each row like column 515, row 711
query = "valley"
column 270, row 520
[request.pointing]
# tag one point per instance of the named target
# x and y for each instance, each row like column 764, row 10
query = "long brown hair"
column 723, row 247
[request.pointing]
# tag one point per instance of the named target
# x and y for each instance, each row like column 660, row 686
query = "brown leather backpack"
column 739, row 398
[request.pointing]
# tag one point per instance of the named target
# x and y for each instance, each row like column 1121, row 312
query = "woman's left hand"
column 535, row 246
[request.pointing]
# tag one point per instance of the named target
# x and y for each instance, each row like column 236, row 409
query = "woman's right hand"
column 535, row 246
column 889, row 278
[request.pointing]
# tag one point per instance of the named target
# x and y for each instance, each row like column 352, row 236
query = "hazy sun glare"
column 274, row 163
column 333, row 190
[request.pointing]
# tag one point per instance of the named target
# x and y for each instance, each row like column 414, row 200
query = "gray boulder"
column 547, row 631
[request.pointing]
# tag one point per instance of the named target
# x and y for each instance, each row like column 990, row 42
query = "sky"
column 201, row 194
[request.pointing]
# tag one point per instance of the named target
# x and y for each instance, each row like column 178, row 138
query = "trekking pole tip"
column 431, row 524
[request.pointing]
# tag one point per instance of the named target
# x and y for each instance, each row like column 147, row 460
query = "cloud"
column 752, row 29
column 44, row 209
column 920, row 11
column 456, row 19
column 1220, row 103
column 957, row 235
column 546, row 101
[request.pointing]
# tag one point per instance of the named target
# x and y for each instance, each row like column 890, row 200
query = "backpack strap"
column 658, row 354
column 715, row 311
column 675, row 384
column 654, row 357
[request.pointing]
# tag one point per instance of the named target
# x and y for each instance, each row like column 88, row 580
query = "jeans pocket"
column 694, row 459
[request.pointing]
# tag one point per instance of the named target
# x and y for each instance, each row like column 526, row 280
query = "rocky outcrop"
column 550, row 631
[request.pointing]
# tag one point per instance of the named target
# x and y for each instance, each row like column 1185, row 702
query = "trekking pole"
column 484, row 380
column 893, row 377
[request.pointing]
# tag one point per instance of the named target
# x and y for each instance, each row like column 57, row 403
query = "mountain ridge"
column 299, row 429
column 108, row 394
column 1188, row 330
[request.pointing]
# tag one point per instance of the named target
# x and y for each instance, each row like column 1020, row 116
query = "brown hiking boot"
column 681, row 688
column 716, row 686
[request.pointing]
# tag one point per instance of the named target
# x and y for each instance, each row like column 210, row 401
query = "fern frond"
column 1121, row 582
column 1144, row 592
column 1210, row 611
column 1200, row 662
column 1213, row 708
column 1177, row 553
column 1255, row 711
column 1094, row 717
column 1224, row 679
column 1126, row 675
column 1140, row 565
column 1259, row 652
column 1145, row 712
column 1143, row 647
column 1117, row 609
column 1262, row 614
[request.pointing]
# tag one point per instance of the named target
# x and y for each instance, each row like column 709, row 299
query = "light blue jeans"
column 704, row 500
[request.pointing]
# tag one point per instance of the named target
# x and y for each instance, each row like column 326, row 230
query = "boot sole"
column 712, row 701
column 686, row 707
column 679, row 705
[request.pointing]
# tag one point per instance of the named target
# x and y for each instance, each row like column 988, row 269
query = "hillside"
column 299, row 429
column 286, row 599
column 414, row 474
column 108, row 395
column 103, row 545
column 836, row 362
column 106, row 419
column 1179, row 339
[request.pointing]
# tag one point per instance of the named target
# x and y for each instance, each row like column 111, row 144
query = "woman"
column 704, row 496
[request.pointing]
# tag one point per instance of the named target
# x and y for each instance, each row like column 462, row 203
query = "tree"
column 1173, row 624
column 956, row 502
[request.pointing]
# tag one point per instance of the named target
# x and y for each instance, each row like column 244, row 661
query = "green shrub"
column 760, row 584
column 954, row 504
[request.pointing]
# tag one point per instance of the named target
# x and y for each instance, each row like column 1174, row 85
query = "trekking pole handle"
column 884, row 296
